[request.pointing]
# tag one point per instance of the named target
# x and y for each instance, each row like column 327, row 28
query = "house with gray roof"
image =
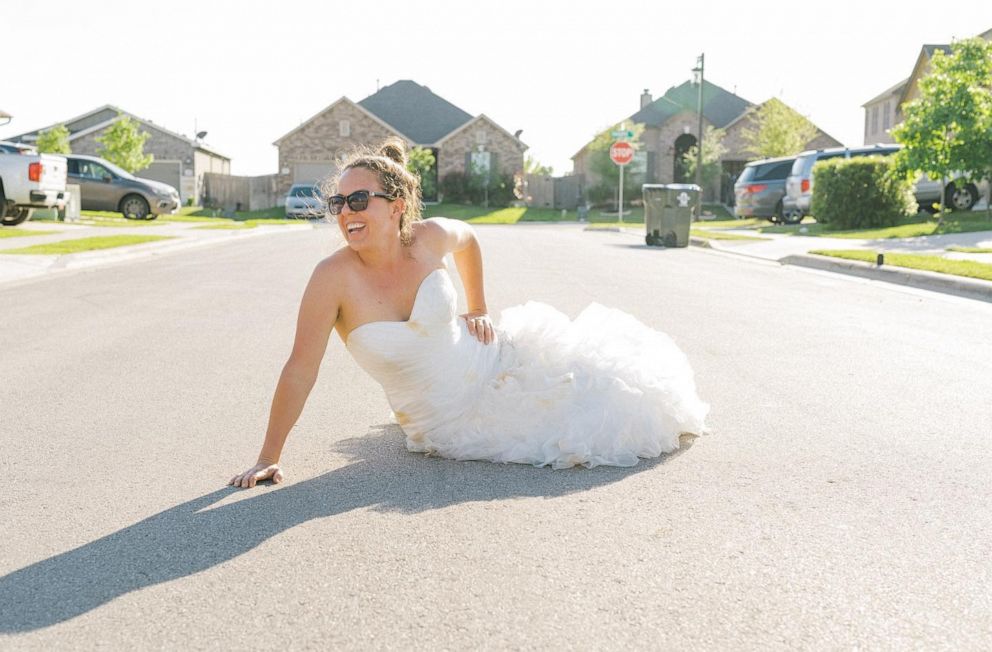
column 409, row 111
column 671, row 123
column 180, row 161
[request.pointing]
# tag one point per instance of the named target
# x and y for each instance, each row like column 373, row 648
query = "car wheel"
column 134, row 207
column 961, row 198
column 778, row 215
column 17, row 216
column 649, row 240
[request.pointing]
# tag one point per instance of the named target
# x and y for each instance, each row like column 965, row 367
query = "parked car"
column 799, row 186
column 759, row 189
column 29, row 181
column 105, row 187
column 304, row 200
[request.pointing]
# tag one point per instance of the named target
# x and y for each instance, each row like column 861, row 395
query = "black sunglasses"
column 357, row 201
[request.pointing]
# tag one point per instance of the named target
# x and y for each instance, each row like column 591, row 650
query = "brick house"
column 670, row 126
column 405, row 110
column 179, row 161
column 884, row 111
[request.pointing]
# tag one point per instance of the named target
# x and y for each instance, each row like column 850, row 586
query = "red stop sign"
column 622, row 153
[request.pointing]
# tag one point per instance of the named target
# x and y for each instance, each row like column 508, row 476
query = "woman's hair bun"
column 395, row 150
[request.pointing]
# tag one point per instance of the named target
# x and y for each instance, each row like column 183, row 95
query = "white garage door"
column 311, row 172
column 169, row 172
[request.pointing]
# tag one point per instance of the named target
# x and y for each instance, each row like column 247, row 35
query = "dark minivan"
column 760, row 188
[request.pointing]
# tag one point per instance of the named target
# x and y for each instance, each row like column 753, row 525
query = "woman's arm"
column 318, row 314
column 458, row 238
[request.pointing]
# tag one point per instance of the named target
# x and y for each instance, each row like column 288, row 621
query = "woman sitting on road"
column 537, row 389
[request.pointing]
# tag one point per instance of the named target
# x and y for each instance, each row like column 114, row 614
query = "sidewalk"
column 184, row 235
column 794, row 250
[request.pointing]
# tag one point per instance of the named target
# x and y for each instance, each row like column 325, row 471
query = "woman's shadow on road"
column 190, row 538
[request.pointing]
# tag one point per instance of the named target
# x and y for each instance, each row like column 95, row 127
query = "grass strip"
column 86, row 244
column 9, row 232
column 969, row 268
column 719, row 235
column 970, row 250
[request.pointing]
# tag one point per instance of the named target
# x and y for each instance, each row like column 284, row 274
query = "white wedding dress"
column 602, row 389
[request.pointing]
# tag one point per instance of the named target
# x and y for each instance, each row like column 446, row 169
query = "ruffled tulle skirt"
column 600, row 389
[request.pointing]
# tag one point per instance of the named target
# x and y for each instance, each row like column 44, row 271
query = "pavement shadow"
column 190, row 538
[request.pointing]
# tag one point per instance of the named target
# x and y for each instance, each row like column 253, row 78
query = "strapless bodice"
column 429, row 365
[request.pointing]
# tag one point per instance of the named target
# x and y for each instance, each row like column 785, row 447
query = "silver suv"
column 105, row 187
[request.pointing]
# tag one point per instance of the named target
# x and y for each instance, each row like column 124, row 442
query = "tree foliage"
column 777, row 130
column 124, row 145
column 947, row 130
column 420, row 161
column 54, row 140
column 713, row 151
column 608, row 172
column 533, row 166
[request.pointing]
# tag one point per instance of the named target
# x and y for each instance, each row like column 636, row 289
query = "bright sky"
column 247, row 72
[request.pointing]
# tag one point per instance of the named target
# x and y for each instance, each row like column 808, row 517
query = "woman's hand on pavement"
column 261, row 471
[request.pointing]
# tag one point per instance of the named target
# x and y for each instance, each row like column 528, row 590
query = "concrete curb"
column 971, row 288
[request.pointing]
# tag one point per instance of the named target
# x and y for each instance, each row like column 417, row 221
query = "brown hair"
column 388, row 163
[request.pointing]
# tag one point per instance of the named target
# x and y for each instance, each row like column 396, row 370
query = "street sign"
column 622, row 134
column 622, row 153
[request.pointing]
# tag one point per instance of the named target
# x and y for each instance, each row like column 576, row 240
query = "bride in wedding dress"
column 536, row 388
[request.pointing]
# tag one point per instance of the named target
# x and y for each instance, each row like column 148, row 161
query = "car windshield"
column 303, row 191
column 746, row 174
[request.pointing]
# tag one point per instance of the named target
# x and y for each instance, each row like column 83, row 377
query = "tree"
column 608, row 172
column 713, row 151
column 123, row 145
column 777, row 130
column 533, row 166
column 421, row 162
column 947, row 130
column 54, row 140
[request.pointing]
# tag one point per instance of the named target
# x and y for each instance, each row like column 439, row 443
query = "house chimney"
column 645, row 98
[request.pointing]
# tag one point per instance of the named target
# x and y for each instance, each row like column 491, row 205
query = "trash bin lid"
column 681, row 186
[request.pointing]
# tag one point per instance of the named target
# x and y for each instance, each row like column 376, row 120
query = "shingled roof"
column 415, row 111
column 720, row 106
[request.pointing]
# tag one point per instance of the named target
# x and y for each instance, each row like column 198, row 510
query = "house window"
column 481, row 162
column 874, row 119
column 344, row 128
column 885, row 117
column 481, row 137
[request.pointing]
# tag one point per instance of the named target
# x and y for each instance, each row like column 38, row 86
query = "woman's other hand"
column 480, row 326
column 261, row 471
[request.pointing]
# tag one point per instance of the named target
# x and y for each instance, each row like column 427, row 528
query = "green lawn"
column 970, row 250
column 719, row 235
column 914, row 227
column 13, row 232
column 967, row 268
column 86, row 244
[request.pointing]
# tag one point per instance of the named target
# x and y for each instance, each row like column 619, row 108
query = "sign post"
column 621, row 153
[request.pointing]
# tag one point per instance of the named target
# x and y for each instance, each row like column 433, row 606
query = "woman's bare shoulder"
column 332, row 269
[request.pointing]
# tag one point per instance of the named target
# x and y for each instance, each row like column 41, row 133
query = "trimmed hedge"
column 860, row 192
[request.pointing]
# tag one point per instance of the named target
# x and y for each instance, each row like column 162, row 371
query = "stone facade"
column 453, row 150
column 320, row 139
column 317, row 144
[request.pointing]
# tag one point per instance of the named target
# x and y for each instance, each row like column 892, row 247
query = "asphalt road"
column 842, row 500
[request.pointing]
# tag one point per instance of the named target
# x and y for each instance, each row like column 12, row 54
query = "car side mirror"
column 107, row 179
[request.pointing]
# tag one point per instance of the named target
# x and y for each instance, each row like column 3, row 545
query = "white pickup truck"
column 29, row 181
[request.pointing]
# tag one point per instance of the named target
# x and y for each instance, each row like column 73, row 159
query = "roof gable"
column 720, row 106
column 416, row 112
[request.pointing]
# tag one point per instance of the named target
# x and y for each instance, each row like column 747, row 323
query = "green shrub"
column 860, row 192
column 461, row 188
